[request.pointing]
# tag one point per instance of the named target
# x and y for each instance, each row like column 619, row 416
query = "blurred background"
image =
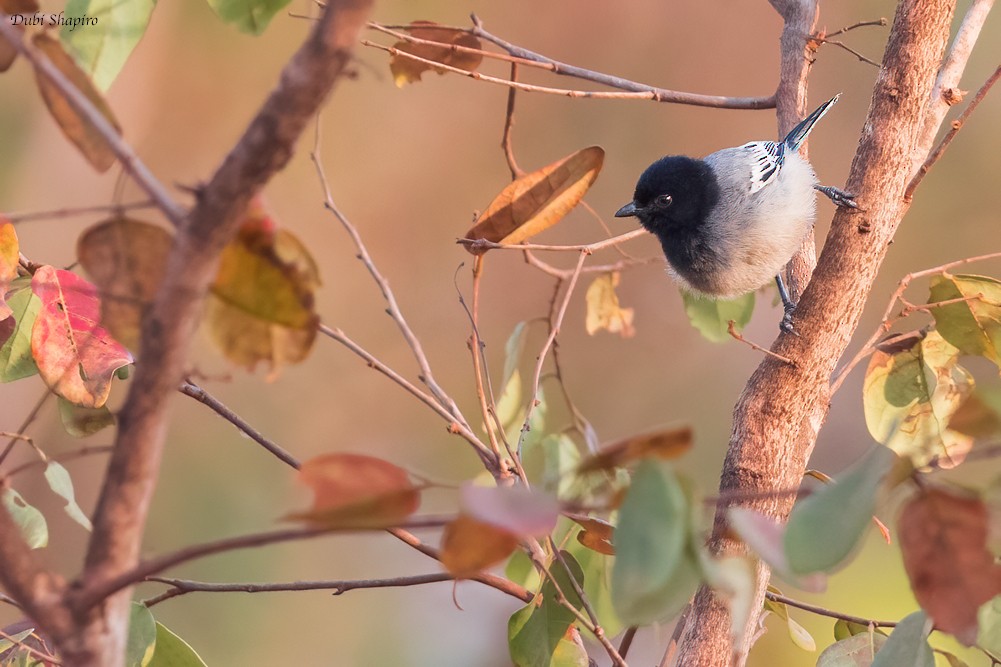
column 409, row 167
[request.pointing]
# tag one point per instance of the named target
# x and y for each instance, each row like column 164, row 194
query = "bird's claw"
column 838, row 197
column 786, row 325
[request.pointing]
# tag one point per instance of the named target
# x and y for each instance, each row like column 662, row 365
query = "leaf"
column 603, row 309
column 91, row 143
column 733, row 580
column 76, row 358
column 101, row 49
column 537, row 201
column 597, row 534
column 711, row 317
column 469, row 546
column 251, row 16
column 943, row 539
column 665, row 444
column 974, row 325
column 979, row 416
column 855, row 651
column 517, row 510
column 797, row 633
column 907, row 644
column 550, row 463
column 538, row 633
column 844, row 629
column 406, row 70
column 172, row 651
column 127, row 260
column 654, row 568
column 9, row 257
column 81, row 422
column 263, row 305
column 989, row 620
column 6, row 644
column 59, row 481
column 31, row 522
column 141, row 641
column 357, row 491
column 513, row 349
column 953, row 660
column 910, row 391
column 597, row 584
column 15, row 354
column 765, row 537
column 825, row 527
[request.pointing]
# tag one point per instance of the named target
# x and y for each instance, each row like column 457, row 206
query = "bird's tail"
column 799, row 133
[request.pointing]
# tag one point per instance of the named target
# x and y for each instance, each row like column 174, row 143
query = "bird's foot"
column 839, row 197
column 786, row 324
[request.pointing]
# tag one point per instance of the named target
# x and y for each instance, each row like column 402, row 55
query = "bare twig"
column 835, row 42
column 821, row 611
column 479, row 245
column 189, row 388
column 61, row 213
column 476, row 349
column 41, row 655
column 957, row 125
column 860, row 24
column 627, row 641
column 32, row 414
column 506, row 146
column 68, row 456
column 731, row 327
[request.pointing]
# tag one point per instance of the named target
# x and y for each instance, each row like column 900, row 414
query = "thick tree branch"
column 782, row 407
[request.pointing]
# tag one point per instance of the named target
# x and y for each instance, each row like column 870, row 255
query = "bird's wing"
column 766, row 159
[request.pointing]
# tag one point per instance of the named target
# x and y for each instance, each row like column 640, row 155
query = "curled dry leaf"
column 75, row 356
column 127, row 260
column 8, row 264
column 603, row 309
column 407, row 70
column 539, row 200
column 597, row 534
column 357, row 491
column 469, row 546
column 943, row 539
column 665, row 444
column 80, row 131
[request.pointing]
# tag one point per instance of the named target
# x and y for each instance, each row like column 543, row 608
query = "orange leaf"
column 469, row 546
column 597, row 534
column 539, row 200
column 406, row 70
column 127, row 260
column 603, row 309
column 75, row 356
column 357, row 491
column 669, row 444
column 77, row 129
column 9, row 256
column 943, row 539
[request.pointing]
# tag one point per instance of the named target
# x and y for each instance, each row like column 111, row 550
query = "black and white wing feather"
column 766, row 158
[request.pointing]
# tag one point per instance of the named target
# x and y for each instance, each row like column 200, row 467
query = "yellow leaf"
column 539, row 200
column 603, row 309
column 406, row 70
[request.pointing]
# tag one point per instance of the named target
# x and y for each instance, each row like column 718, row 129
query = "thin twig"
column 957, row 125
column 627, row 641
column 506, row 146
column 24, row 425
column 731, row 327
column 834, row 42
column 821, row 611
column 189, row 388
column 61, row 213
column 476, row 349
column 68, row 456
column 480, row 245
column 853, row 26
column 41, row 655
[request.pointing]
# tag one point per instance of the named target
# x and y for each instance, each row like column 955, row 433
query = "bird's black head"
column 674, row 194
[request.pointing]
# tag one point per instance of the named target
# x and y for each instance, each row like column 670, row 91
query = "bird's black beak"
column 627, row 211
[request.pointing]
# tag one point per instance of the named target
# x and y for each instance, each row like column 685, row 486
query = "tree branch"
column 782, row 407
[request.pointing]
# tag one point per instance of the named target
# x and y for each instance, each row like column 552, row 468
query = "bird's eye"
column 664, row 201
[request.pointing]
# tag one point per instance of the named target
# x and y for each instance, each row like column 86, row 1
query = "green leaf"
column 59, row 481
column 80, row 421
column 513, row 349
column 953, row 660
column 844, row 629
column 825, row 527
column 537, row 633
column 550, row 462
column 974, row 325
column 797, row 633
column 172, row 651
column 712, row 316
column 597, row 570
column 654, row 572
column 141, row 642
column 5, row 644
column 250, row 16
column 15, row 354
column 911, row 390
column 31, row 522
column 510, row 406
column 855, row 651
column 907, row 644
column 101, row 49
column 989, row 620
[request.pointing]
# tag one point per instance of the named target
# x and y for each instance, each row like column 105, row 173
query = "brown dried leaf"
column 357, row 491
column 943, row 538
column 668, row 444
column 77, row 129
column 597, row 534
column 603, row 309
column 469, row 546
column 406, row 70
column 127, row 260
column 538, row 200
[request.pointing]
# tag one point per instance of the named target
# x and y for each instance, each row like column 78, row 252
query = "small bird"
column 730, row 222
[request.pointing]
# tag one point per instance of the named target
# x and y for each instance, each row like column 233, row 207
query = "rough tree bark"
column 92, row 632
column 782, row 408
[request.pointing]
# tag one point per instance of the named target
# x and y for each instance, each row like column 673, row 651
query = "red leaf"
column 75, row 356
column 357, row 491
column 943, row 538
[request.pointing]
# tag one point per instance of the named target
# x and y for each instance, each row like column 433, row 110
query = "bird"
column 729, row 223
